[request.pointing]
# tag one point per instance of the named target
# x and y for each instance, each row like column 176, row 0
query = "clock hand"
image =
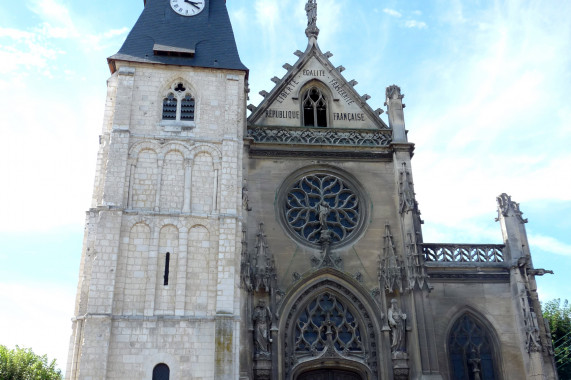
column 193, row 3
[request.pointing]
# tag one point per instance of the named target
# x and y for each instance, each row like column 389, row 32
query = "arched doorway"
column 329, row 333
column 329, row 374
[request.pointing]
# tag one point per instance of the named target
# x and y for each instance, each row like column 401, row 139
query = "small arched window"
column 314, row 108
column 178, row 105
column 161, row 372
column 471, row 350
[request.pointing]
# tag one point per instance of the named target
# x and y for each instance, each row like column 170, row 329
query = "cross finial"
column 311, row 9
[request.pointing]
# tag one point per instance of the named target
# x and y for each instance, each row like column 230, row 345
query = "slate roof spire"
column 162, row 36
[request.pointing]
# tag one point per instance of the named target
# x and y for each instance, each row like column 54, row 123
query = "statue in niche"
column 262, row 324
column 397, row 323
column 311, row 10
column 245, row 200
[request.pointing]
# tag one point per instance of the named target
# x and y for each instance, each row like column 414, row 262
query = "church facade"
column 283, row 245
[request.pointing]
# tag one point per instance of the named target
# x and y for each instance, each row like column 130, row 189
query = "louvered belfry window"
column 169, row 107
column 187, row 108
column 179, row 104
column 314, row 108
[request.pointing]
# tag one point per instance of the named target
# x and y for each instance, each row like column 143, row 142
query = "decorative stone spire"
column 264, row 266
column 312, row 31
column 416, row 270
column 390, row 270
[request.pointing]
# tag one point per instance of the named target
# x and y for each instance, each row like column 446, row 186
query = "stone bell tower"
column 160, row 262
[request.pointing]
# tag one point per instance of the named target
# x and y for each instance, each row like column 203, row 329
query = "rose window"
column 322, row 207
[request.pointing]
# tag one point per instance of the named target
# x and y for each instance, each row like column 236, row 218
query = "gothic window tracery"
column 471, row 350
column 319, row 202
column 178, row 104
column 327, row 321
column 314, row 108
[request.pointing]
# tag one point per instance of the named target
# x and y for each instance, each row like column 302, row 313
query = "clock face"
column 187, row 7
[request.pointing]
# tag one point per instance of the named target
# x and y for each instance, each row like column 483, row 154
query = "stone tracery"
column 322, row 202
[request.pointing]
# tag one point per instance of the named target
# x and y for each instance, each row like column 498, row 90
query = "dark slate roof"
column 209, row 34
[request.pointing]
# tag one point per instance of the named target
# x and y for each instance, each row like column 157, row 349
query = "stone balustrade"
column 321, row 136
column 463, row 253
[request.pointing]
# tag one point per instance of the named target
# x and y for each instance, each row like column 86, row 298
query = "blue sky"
column 487, row 87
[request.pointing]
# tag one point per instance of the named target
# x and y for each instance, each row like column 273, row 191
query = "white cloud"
column 58, row 22
column 37, row 316
column 490, row 118
column 392, row 12
column 549, row 244
column 16, row 34
column 415, row 24
column 24, row 49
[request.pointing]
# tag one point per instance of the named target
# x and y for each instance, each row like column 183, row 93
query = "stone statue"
column 245, row 200
column 323, row 209
column 262, row 323
column 474, row 361
column 311, row 10
column 397, row 323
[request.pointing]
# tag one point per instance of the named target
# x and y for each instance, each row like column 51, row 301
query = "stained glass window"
column 326, row 319
column 471, row 351
column 322, row 202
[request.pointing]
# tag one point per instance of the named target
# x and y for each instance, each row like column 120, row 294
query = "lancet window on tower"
column 314, row 108
column 179, row 104
column 167, row 269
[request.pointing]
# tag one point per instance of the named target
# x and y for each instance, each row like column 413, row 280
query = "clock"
column 188, row 7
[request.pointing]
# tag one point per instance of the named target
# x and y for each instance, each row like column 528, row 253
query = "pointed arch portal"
column 329, row 334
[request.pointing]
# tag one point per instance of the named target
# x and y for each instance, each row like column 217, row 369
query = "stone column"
column 215, row 189
column 132, row 168
column 187, row 185
column 180, row 297
column 152, row 262
column 160, row 163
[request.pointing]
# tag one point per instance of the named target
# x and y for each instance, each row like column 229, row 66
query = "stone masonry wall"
column 162, row 188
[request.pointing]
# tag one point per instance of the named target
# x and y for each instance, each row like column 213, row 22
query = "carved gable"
column 314, row 94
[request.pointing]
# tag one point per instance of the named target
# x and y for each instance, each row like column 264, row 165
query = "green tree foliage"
column 558, row 314
column 23, row 364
